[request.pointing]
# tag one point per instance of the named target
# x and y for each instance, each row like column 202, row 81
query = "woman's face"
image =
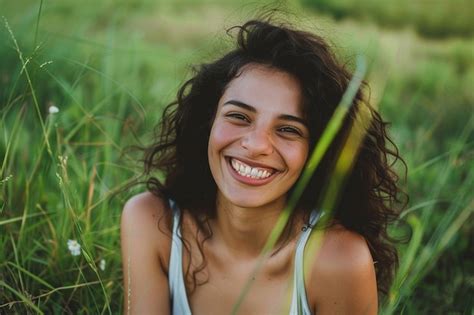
column 259, row 141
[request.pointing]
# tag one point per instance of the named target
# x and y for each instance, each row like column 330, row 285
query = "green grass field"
column 108, row 68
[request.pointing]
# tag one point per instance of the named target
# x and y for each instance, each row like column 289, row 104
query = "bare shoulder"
column 146, row 246
column 147, row 217
column 342, row 277
column 145, row 202
column 145, row 205
column 343, row 251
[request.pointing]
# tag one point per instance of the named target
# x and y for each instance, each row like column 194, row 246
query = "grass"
column 110, row 68
column 334, row 125
column 429, row 18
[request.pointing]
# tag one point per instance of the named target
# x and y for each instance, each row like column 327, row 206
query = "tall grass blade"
column 37, row 23
column 30, row 84
column 320, row 149
column 30, row 274
column 22, row 297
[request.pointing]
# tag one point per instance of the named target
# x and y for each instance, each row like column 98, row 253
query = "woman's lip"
column 252, row 164
column 248, row 180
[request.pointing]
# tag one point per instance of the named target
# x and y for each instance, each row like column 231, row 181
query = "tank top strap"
column 179, row 299
column 299, row 303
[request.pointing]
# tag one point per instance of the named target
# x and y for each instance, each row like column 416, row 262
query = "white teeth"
column 247, row 171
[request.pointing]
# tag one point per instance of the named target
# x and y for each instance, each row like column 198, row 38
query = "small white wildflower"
column 53, row 109
column 74, row 247
column 102, row 264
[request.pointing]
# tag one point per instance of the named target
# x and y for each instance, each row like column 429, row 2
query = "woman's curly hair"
column 370, row 195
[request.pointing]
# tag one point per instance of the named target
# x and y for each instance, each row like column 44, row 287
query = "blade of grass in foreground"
column 31, row 275
column 71, row 205
column 12, row 220
column 343, row 167
column 26, row 300
column 30, row 84
column 331, row 194
column 320, row 149
column 46, row 294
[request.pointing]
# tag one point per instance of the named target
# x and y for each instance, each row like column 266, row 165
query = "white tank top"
column 179, row 300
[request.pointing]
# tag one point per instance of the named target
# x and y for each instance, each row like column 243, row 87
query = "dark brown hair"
column 180, row 151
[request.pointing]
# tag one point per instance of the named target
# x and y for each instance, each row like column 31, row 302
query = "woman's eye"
column 290, row 130
column 238, row 116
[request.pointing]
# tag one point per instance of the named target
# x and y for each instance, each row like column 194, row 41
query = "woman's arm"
column 342, row 279
column 145, row 256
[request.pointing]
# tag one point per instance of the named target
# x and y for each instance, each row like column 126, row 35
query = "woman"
column 232, row 146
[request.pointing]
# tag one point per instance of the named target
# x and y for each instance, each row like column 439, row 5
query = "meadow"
column 81, row 83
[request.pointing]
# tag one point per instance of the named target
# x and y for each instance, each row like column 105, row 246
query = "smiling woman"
column 256, row 152
column 232, row 147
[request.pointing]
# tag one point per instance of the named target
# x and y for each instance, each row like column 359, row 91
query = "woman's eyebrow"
column 241, row 104
column 254, row 110
column 294, row 118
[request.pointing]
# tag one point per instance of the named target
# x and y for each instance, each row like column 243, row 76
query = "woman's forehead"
column 262, row 86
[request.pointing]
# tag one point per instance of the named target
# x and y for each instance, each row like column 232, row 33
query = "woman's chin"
column 249, row 201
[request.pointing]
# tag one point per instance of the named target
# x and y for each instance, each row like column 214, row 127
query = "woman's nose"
column 257, row 142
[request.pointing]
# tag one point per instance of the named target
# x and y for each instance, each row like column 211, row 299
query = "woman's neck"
column 244, row 231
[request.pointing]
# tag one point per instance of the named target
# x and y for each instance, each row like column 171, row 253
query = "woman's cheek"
column 223, row 133
column 297, row 154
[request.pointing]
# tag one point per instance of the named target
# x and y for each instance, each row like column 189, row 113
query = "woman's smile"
column 248, row 174
column 258, row 143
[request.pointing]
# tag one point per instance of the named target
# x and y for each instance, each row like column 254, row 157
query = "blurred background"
column 82, row 81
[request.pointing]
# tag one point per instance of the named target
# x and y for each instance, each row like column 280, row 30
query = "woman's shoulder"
column 146, row 247
column 342, row 249
column 148, row 217
column 146, row 203
column 147, row 207
column 343, row 273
